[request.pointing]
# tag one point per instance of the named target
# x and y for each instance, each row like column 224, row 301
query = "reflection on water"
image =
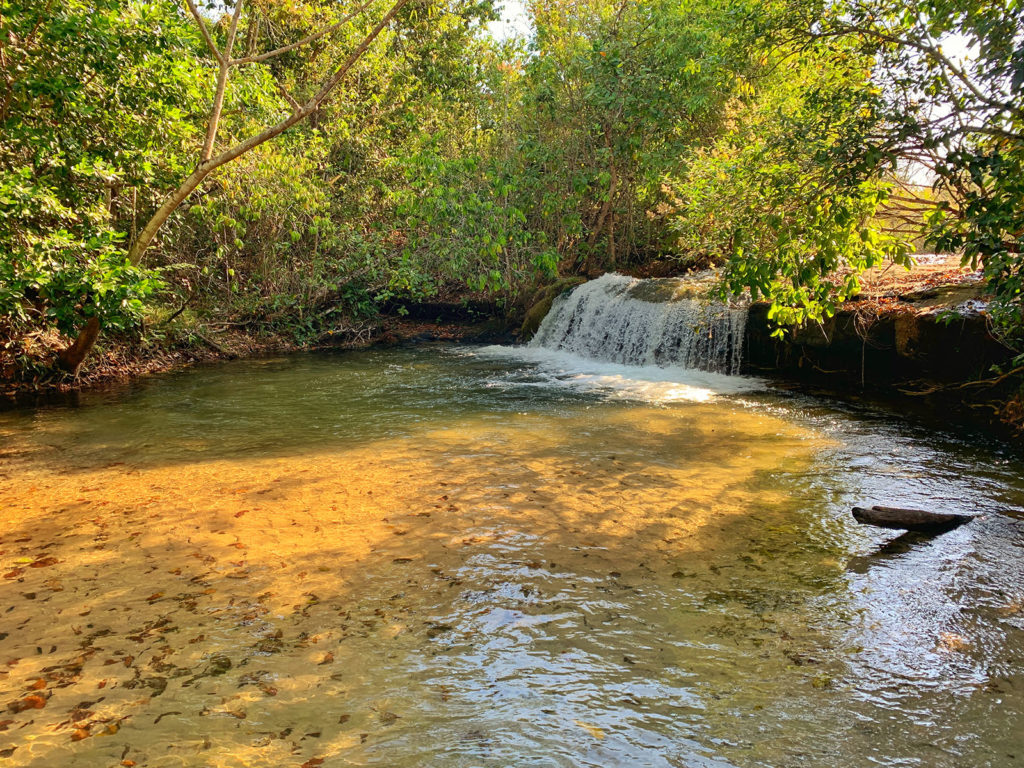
column 413, row 558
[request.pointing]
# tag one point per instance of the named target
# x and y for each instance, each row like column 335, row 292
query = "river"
column 461, row 556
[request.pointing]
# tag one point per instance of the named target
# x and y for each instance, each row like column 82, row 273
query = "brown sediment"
column 221, row 611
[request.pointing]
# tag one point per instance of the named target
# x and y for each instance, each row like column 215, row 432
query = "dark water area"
column 451, row 556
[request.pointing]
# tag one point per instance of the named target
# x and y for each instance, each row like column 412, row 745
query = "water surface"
column 450, row 557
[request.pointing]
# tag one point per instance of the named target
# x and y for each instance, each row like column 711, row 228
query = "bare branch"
column 917, row 201
column 304, row 41
column 287, row 96
column 989, row 131
column 222, row 84
column 204, row 30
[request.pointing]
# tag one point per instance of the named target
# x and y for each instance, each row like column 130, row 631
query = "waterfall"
column 624, row 320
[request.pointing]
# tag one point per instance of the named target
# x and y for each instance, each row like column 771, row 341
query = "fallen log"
column 909, row 519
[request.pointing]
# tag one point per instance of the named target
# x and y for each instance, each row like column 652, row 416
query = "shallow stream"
column 455, row 557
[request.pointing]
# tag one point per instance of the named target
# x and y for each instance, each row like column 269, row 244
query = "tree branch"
column 206, row 167
column 304, row 41
column 997, row 132
column 937, row 55
column 222, row 84
column 286, row 96
column 205, row 32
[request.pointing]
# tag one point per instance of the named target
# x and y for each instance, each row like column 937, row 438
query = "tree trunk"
column 71, row 359
column 611, row 240
column 603, row 216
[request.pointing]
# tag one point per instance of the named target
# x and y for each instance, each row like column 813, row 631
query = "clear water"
column 482, row 557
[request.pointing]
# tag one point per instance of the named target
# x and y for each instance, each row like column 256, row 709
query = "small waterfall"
column 624, row 320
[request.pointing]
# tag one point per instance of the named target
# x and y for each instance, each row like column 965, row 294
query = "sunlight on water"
column 434, row 557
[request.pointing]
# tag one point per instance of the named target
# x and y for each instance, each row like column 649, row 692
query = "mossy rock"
column 541, row 304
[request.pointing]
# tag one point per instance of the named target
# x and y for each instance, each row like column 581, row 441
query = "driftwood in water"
column 909, row 519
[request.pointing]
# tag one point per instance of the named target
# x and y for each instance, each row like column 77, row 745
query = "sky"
column 514, row 21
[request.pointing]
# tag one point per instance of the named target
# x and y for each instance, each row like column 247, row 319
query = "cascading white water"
column 644, row 322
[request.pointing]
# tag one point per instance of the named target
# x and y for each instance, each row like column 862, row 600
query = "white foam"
column 648, row 383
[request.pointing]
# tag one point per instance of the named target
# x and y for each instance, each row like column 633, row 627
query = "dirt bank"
column 26, row 372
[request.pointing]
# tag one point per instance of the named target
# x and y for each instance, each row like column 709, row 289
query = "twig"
column 205, row 31
column 215, row 346
column 179, row 310
column 303, row 41
column 966, row 385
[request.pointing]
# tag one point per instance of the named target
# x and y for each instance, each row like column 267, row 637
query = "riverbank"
column 919, row 340
column 29, row 374
column 913, row 341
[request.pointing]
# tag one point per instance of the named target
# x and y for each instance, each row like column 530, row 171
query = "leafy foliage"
column 953, row 119
column 795, row 144
column 80, row 125
column 775, row 203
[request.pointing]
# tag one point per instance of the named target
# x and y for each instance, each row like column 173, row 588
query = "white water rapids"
column 624, row 320
column 640, row 340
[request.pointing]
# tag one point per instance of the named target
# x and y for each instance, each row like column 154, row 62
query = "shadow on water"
column 900, row 545
column 478, row 571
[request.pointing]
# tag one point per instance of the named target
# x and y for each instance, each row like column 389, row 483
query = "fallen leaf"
column 313, row 762
column 29, row 702
column 593, row 730
column 80, row 734
column 951, row 641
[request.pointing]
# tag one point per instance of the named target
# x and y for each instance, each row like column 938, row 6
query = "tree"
column 616, row 94
column 861, row 134
column 773, row 199
column 954, row 120
column 94, row 104
column 210, row 158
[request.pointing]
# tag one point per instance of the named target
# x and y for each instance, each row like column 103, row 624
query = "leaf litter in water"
column 593, row 730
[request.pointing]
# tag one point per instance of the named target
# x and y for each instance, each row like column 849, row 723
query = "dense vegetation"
column 793, row 144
